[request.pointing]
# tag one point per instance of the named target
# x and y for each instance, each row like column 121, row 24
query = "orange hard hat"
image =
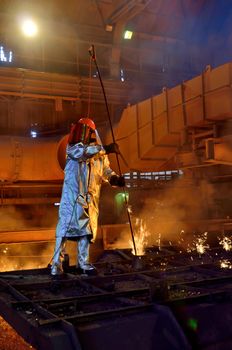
column 82, row 131
column 89, row 122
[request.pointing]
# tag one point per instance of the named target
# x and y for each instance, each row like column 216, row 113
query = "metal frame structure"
column 128, row 295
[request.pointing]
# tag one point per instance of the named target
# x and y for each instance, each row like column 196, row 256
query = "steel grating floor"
column 176, row 300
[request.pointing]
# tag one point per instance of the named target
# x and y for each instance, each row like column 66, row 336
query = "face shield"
column 81, row 131
column 98, row 140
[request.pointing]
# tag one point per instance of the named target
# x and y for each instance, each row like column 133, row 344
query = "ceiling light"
column 109, row 28
column 128, row 34
column 33, row 134
column 29, row 27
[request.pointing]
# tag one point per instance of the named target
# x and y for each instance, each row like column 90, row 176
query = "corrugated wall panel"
column 151, row 130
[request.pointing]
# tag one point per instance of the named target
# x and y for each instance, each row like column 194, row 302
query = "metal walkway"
column 163, row 300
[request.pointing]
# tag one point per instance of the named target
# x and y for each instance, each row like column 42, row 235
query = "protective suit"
column 87, row 166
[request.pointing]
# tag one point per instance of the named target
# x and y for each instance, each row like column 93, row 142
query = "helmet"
column 89, row 122
column 81, row 131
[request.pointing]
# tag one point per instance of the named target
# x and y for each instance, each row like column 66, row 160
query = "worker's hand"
column 117, row 181
column 111, row 148
column 121, row 181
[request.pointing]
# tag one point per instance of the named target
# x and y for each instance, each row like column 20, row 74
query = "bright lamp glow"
column 33, row 134
column 29, row 28
column 5, row 56
column 128, row 34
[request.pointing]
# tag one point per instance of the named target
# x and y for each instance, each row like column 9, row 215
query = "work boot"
column 87, row 269
column 56, row 270
column 59, row 252
column 83, row 265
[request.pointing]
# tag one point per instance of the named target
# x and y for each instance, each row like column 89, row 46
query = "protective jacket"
column 87, row 166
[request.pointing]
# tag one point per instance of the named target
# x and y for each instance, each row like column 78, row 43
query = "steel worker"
column 87, row 166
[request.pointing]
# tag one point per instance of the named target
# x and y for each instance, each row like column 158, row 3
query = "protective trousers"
column 59, row 252
column 83, row 252
column 82, row 255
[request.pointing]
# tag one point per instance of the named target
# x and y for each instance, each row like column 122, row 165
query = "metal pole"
column 93, row 56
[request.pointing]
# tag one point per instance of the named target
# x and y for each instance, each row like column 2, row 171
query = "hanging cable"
column 90, row 87
column 93, row 58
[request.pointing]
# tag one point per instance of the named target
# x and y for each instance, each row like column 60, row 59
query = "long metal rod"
column 93, row 56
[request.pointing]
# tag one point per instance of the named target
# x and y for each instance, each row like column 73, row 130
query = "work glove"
column 117, row 181
column 111, row 148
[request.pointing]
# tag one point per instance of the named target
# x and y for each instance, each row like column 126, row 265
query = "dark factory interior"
column 155, row 76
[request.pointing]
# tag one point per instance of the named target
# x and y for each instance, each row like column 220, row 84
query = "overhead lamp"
column 29, row 28
column 33, row 134
column 109, row 27
column 128, row 34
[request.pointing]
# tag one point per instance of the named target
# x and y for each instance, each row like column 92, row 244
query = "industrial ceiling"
column 49, row 81
column 173, row 40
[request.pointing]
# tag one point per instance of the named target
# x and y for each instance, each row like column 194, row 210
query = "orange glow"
column 140, row 236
